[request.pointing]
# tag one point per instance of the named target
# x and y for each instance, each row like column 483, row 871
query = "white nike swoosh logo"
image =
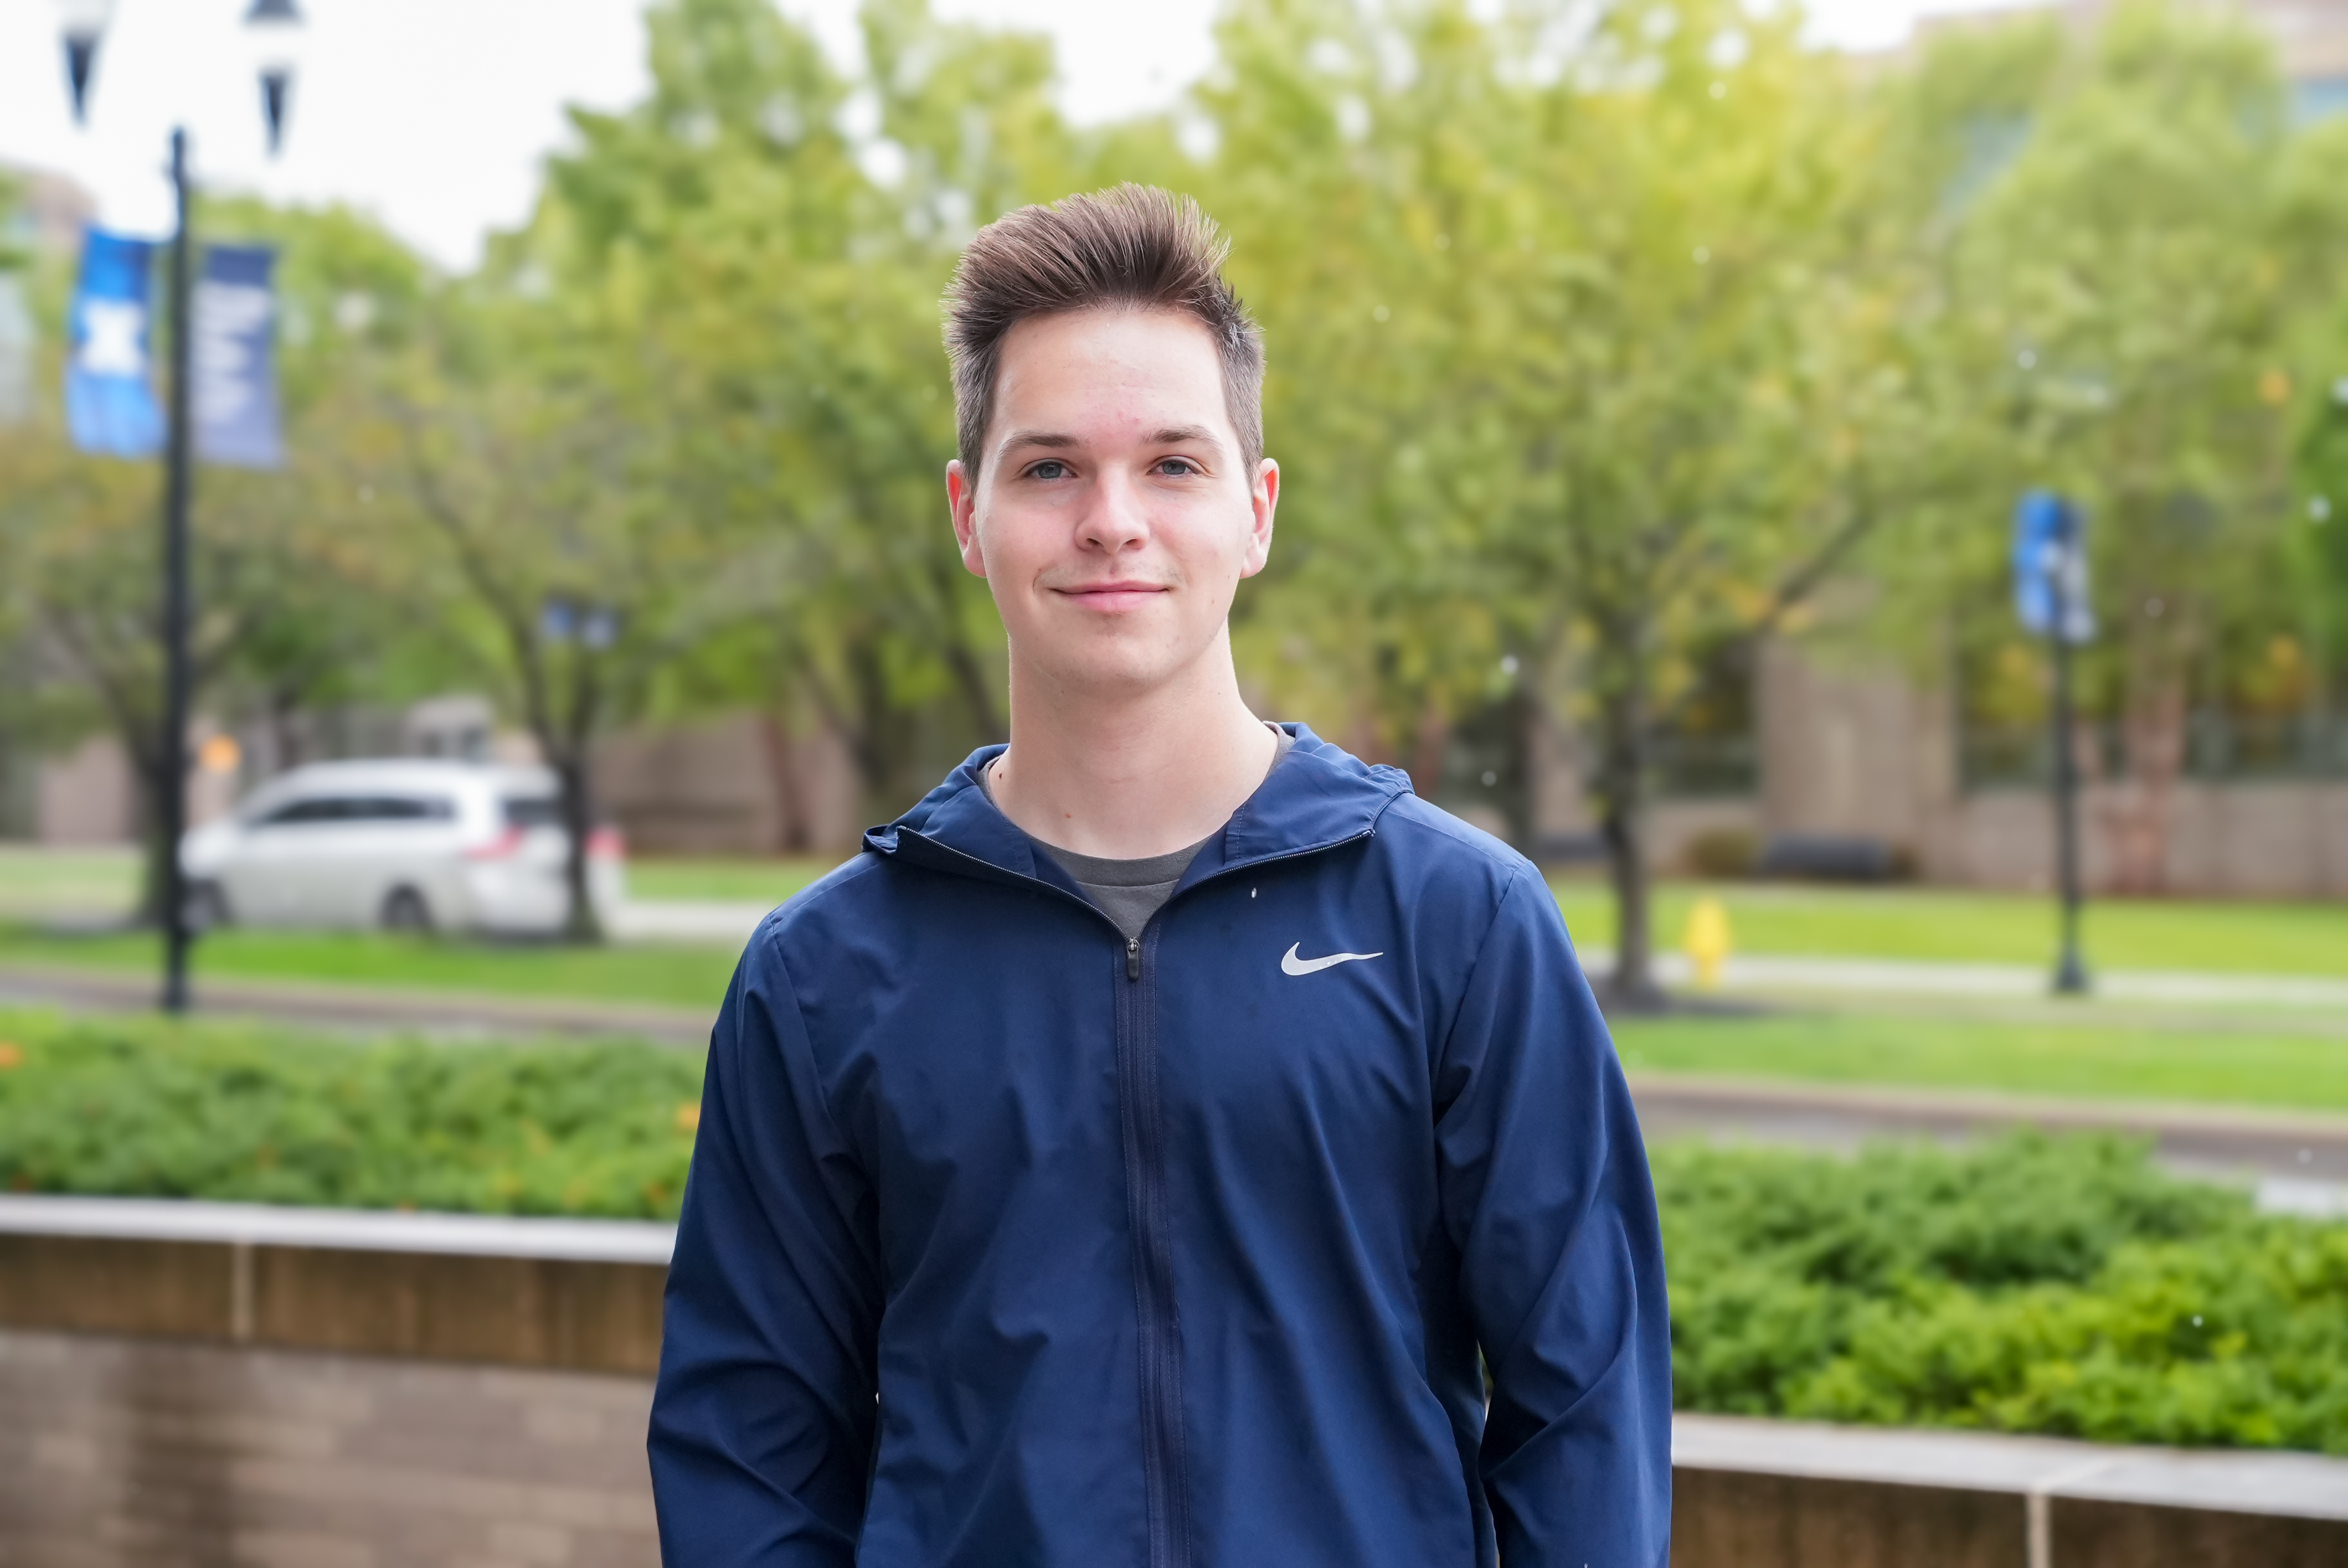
column 1289, row 964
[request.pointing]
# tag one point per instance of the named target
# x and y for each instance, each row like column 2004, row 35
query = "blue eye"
column 1177, row 467
column 1050, row 468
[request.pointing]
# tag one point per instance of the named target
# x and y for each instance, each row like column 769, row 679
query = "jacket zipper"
column 1166, row 1481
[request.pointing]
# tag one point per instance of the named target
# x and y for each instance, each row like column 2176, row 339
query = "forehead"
column 1082, row 367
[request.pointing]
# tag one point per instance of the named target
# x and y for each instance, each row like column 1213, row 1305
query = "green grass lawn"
column 2305, row 938
column 750, row 880
column 665, row 974
column 2050, row 1049
column 41, row 883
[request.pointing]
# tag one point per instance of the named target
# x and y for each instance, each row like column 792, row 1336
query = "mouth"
column 1110, row 598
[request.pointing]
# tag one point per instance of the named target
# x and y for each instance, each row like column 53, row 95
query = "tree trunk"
column 794, row 834
column 583, row 923
column 1428, row 744
column 1521, row 808
column 1622, row 823
column 2155, row 757
column 285, row 731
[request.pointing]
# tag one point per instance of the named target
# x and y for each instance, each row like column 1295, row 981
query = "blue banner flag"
column 235, row 403
column 110, row 405
column 2050, row 561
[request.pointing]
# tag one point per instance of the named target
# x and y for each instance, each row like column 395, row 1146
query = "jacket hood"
column 1316, row 798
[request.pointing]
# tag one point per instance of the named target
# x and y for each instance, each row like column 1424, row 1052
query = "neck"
column 1123, row 774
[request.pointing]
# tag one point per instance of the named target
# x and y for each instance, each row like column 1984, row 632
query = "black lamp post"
column 2063, row 574
column 273, row 23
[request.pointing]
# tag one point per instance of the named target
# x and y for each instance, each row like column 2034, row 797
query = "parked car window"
column 362, row 808
column 327, row 808
column 534, row 810
column 402, row 808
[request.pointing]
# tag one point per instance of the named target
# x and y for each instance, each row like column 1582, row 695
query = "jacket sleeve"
column 764, row 1414
column 1546, row 1198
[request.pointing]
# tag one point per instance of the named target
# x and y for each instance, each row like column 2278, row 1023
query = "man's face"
column 1114, row 516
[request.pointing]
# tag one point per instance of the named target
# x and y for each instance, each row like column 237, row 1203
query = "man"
column 1142, row 1153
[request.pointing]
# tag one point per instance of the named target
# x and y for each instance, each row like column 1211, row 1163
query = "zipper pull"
column 1133, row 957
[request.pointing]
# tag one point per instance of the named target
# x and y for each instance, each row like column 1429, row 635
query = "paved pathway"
column 687, row 920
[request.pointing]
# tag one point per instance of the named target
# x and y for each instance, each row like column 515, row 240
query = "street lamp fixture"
column 275, row 28
column 83, row 25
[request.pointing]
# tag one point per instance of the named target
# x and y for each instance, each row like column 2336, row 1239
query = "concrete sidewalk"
column 711, row 921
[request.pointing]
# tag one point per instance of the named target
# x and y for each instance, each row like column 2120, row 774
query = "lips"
column 1113, row 596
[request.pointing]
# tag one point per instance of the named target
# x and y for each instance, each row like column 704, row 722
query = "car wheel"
column 404, row 910
column 207, row 908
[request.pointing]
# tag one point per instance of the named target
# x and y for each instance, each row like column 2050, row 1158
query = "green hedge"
column 143, row 1107
column 2031, row 1284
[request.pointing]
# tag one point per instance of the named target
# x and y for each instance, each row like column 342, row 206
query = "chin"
column 1113, row 663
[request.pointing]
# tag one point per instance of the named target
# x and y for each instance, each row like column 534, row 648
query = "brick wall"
column 168, row 1453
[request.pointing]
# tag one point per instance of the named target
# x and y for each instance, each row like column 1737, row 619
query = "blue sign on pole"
column 110, row 404
column 235, row 403
column 2049, row 567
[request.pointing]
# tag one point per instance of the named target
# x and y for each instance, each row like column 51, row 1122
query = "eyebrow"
column 1175, row 433
column 1054, row 440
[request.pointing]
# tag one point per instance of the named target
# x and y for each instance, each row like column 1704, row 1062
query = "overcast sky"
column 434, row 114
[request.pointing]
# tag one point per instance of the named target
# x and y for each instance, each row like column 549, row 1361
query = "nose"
column 1117, row 518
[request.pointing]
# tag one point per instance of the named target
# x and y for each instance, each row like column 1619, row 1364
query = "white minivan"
column 405, row 845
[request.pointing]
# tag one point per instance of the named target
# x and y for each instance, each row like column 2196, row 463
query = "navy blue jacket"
column 1010, row 1242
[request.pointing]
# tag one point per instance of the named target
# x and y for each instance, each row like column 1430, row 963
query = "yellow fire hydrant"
column 1708, row 941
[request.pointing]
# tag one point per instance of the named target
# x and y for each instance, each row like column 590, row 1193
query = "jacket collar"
column 1317, row 797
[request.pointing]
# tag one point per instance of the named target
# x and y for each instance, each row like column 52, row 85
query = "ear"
column 961, row 506
column 1263, row 499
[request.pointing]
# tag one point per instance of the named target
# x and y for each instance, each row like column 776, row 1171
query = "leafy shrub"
column 2031, row 1284
column 144, row 1107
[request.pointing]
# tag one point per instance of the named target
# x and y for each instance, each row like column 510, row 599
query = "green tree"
column 1581, row 351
